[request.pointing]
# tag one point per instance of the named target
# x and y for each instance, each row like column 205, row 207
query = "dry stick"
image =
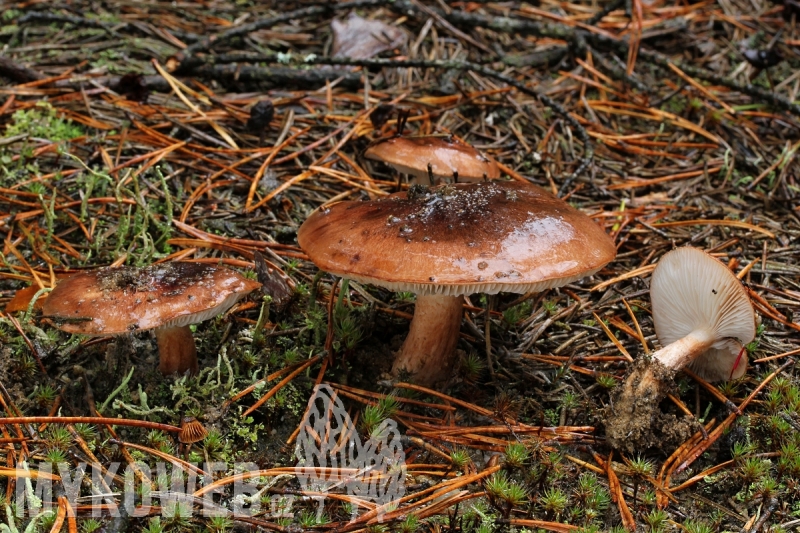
column 615, row 488
column 280, row 385
column 698, row 450
column 541, row 524
column 712, row 390
column 581, row 37
column 175, row 461
column 89, row 420
column 186, row 57
column 486, row 71
column 613, row 339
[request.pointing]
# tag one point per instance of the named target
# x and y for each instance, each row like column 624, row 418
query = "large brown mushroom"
column 433, row 159
column 165, row 297
column 448, row 241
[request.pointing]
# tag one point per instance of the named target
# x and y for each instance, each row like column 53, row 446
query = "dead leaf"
column 359, row 38
column 272, row 282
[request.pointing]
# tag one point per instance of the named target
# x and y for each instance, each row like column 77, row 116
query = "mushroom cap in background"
column 457, row 239
column 112, row 301
column 690, row 290
column 446, row 155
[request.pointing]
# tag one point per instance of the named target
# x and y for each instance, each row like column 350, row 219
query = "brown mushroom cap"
column 120, row 300
column 458, row 239
column 446, row 155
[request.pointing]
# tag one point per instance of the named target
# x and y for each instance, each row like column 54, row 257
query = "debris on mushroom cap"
column 446, row 155
column 691, row 290
column 113, row 301
column 458, row 239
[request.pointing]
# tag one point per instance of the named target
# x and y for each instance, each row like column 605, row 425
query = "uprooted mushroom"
column 704, row 319
column 165, row 297
column 452, row 240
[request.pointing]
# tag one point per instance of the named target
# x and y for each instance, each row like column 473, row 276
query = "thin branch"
column 452, row 64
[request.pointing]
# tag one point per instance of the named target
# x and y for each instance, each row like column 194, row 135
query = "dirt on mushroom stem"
column 634, row 421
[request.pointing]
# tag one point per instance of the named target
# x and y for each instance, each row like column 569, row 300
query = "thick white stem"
column 428, row 352
column 680, row 353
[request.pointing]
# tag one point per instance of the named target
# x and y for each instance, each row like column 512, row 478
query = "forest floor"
column 128, row 139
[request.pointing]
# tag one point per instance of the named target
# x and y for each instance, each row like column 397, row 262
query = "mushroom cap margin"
column 458, row 239
column 113, row 301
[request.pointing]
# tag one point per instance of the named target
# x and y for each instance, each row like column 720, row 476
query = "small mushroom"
column 191, row 431
column 433, row 159
column 165, row 297
column 448, row 241
column 703, row 318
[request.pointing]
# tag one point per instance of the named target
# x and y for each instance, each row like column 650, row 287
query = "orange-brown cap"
column 191, row 430
column 458, row 239
column 112, row 301
column 446, row 156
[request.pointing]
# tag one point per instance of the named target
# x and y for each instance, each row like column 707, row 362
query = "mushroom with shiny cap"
column 165, row 297
column 433, row 159
column 703, row 318
column 452, row 240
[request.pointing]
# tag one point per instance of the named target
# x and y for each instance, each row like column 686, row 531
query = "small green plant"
column 58, row 437
column 640, row 469
column 44, row 395
column 219, row 524
column 42, row 121
column 649, row 498
column 656, row 519
column 308, row 519
column 460, row 458
column 753, row 469
column 87, row 432
column 504, row 493
column 374, row 415
column 154, row 525
column 410, row 524
column 554, row 501
column 550, row 306
column 90, row 525
column 607, row 381
column 516, row 455
column 472, row 367
column 55, row 456
column 513, row 315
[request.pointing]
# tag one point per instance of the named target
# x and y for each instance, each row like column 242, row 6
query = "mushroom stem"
column 176, row 350
column 635, row 406
column 680, row 353
column 673, row 357
column 429, row 350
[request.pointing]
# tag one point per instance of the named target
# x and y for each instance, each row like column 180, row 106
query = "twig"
column 451, row 64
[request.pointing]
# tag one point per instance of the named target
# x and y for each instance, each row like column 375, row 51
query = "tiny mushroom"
column 191, row 431
column 165, row 297
column 433, row 159
column 452, row 240
column 703, row 318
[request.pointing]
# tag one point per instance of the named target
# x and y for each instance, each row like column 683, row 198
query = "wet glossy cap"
column 691, row 290
column 446, row 155
column 112, row 301
column 458, row 239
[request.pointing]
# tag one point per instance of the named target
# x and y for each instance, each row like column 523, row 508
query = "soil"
column 634, row 421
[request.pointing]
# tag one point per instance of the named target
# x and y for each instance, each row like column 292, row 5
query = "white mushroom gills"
column 703, row 316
